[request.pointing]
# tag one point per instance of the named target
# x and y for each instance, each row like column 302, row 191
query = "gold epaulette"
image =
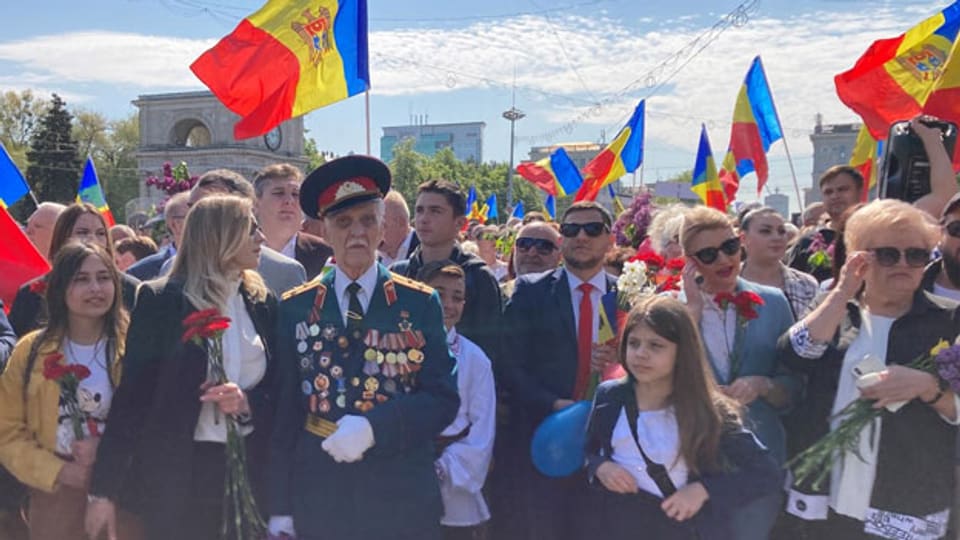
column 312, row 284
column 411, row 283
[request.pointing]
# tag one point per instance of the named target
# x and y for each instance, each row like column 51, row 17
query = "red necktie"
column 584, row 341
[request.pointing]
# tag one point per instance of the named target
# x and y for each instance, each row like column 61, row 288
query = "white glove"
column 353, row 437
column 281, row 524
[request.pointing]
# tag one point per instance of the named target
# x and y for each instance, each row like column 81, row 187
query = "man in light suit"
column 280, row 273
column 551, row 329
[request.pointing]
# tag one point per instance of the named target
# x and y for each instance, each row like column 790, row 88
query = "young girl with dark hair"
column 49, row 431
column 666, row 450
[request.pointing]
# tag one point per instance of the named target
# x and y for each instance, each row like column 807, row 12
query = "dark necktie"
column 354, row 309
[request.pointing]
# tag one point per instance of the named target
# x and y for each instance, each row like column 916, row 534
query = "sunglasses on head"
column 953, row 229
column 593, row 229
column 543, row 246
column 889, row 256
column 709, row 255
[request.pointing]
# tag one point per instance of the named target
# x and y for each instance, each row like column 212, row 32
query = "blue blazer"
column 756, row 343
column 540, row 343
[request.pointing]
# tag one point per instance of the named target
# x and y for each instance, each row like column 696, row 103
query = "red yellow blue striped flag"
column 555, row 174
column 755, row 127
column 623, row 155
column 288, row 58
column 90, row 192
column 864, row 159
column 894, row 77
column 706, row 181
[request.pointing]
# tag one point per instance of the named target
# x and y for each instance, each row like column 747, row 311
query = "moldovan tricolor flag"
column 706, row 182
column 555, row 174
column 894, row 78
column 755, row 127
column 623, row 155
column 90, row 192
column 288, row 58
column 13, row 186
column 944, row 101
column 19, row 259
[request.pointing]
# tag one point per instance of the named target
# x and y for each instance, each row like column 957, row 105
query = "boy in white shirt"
column 465, row 447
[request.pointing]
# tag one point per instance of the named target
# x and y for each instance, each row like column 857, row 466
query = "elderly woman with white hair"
column 664, row 231
column 877, row 319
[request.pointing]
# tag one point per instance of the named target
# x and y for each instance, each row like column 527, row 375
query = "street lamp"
column 512, row 115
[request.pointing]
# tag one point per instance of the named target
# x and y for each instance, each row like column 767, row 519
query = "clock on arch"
column 273, row 138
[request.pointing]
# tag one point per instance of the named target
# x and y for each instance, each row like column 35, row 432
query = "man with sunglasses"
column 942, row 276
column 536, row 249
column 551, row 327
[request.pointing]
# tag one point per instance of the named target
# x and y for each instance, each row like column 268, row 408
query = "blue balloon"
column 557, row 448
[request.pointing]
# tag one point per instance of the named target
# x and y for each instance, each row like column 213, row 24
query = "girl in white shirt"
column 700, row 464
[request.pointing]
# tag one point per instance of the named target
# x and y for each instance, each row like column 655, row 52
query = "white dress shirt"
column 659, row 435
column 244, row 361
column 599, row 282
column 403, row 252
column 719, row 329
column 465, row 462
column 367, row 282
column 290, row 248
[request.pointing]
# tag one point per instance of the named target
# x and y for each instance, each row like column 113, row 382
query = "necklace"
column 93, row 359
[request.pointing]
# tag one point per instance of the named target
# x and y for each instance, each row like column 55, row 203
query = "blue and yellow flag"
column 90, row 192
column 12, row 184
column 518, row 210
column 551, row 206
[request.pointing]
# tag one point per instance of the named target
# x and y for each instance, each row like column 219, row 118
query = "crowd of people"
column 386, row 374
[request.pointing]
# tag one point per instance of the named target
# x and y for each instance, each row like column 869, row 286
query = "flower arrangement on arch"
column 206, row 327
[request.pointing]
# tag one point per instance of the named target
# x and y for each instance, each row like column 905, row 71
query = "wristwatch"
column 942, row 386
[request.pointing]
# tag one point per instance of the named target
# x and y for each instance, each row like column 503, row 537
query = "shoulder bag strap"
column 656, row 470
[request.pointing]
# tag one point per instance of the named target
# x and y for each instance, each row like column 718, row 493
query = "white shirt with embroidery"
column 465, row 462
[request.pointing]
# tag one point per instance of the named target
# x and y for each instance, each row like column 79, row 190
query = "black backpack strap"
column 656, row 470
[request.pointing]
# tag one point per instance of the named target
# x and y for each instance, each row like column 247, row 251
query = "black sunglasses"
column 953, row 229
column 709, row 255
column 593, row 229
column 889, row 256
column 543, row 246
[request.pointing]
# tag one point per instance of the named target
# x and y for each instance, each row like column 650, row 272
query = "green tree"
column 117, row 163
column 407, row 169
column 316, row 157
column 90, row 132
column 54, row 166
column 19, row 115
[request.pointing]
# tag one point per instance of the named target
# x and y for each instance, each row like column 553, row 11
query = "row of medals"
column 395, row 356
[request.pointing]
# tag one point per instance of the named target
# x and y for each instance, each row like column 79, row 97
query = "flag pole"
column 367, row 100
column 786, row 148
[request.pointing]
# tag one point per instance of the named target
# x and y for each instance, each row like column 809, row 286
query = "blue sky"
column 456, row 61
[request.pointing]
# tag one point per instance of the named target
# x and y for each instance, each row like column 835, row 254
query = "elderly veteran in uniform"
column 367, row 380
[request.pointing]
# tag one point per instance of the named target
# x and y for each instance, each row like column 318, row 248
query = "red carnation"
column 650, row 258
column 38, row 287
column 676, row 264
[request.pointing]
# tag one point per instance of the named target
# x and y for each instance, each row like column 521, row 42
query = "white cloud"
column 109, row 57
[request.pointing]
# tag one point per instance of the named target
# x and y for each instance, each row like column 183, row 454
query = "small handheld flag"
column 90, row 192
column 518, row 210
column 623, row 155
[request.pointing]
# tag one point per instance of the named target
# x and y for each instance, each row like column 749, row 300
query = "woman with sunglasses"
column 876, row 319
column 739, row 322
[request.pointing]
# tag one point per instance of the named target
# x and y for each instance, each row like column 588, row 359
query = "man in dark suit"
column 277, row 189
column 551, row 326
column 438, row 219
column 366, row 380
column 174, row 213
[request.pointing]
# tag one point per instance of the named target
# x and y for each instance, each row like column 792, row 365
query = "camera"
column 905, row 168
